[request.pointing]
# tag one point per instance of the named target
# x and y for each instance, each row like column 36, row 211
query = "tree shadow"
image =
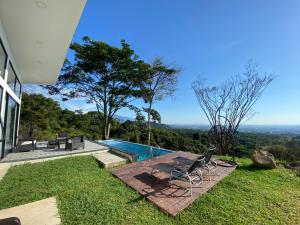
column 137, row 199
column 253, row 168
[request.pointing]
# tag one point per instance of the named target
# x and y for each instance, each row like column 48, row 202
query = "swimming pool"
column 139, row 151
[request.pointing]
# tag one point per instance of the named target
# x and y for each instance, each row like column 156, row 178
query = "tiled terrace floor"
column 171, row 198
column 48, row 153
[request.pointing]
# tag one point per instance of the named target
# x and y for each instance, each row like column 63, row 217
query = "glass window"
column 1, row 93
column 11, row 77
column 3, row 57
column 18, row 88
column 12, row 80
column 1, row 126
column 10, row 124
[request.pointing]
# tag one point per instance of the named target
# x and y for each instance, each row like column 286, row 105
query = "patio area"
column 171, row 198
column 42, row 152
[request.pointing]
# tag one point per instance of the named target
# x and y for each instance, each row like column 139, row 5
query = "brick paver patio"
column 171, row 198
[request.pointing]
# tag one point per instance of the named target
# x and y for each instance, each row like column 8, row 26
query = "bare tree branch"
column 226, row 107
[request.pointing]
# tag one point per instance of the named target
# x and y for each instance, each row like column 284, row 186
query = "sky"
column 208, row 39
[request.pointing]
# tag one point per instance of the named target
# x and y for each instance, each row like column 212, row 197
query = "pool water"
column 142, row 152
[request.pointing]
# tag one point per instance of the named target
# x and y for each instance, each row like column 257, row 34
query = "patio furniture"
column 191, row 174
column 25, row 144
column 62, row 137
column 209, row 164
column 52, row 144
column 10, row 221
column 76, row 142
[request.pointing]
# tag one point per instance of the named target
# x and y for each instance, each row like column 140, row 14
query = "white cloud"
column 227, row 46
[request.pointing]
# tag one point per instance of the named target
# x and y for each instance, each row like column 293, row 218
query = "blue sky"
column 211, row 39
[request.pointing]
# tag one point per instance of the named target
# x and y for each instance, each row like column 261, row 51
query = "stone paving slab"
column 110, row 160
column 171, row 198
column 43, row 212
column 3, row 169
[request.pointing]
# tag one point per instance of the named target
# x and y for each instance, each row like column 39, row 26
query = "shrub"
column 279, row 151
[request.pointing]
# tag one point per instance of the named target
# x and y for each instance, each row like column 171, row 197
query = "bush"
column 279, row 151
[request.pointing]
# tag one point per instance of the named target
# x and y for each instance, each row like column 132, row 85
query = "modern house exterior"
column 34, row 38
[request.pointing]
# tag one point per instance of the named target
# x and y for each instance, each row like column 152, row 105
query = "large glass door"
column 1, row 126
column 10, row 124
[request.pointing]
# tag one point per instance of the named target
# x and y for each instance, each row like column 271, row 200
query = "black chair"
column 25, row 144
column 76, row 142
column 10, row 221
column 191, row 174
column 209, row 164
column 62, row 137
column 52, row 144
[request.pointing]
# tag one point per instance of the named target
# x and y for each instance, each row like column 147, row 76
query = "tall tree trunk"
column 107, row 130
column 105, row 127
column 149, row 123
column 104, row 132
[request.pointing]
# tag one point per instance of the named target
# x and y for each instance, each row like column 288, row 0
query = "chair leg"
column 191, row 186
column 199, row 173
column 153, row 171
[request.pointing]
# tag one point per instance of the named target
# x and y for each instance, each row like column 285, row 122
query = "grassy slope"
column 87, row 194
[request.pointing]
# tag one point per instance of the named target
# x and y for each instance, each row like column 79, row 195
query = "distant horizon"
column 240, row 125
column 207, row 124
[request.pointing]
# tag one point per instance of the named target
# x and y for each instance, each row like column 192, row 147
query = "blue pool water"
column 142, row 152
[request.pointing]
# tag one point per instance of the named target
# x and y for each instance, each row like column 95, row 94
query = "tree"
column 162, row 82
column 230, row 104
column 37, row 113
column 106, row 76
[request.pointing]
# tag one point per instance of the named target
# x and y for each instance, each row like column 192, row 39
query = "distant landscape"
column 271, row 129
column 43, row 118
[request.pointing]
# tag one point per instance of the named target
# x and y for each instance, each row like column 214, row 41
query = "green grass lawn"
column 88, row 194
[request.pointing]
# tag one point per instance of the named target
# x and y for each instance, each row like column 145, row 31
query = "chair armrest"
column 178, row 171
column 10, row 221
column 214, row 163
column 27, row 139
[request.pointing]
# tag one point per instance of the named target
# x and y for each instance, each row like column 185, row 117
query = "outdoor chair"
column 62, row 137
column 10, row 221
column 209, row 164
column 191, row 174
column 25, row 144
column 76, row 142
column 52, row 144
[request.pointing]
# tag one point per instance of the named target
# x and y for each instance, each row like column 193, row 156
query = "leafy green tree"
column 38, row 113
column 196, row 136
column 106, row 76
column 42, row 118
column 162, row 82
column 140, row 118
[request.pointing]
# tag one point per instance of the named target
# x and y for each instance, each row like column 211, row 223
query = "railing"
column 152, row 153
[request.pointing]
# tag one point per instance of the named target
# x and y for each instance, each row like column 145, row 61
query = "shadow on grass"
column 253, row 168
column 100, row 165
column 139, row 198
